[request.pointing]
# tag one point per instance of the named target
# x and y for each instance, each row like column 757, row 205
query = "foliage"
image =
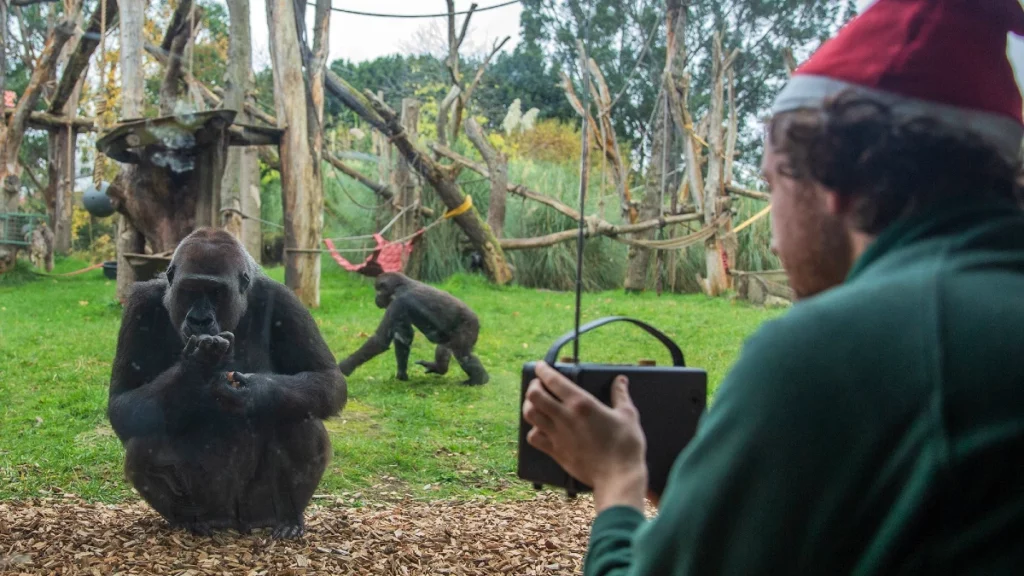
column 57, row 340
column 617, row 31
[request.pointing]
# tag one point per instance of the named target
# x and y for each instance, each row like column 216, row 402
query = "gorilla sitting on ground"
column 219, row 385
column 443, row 319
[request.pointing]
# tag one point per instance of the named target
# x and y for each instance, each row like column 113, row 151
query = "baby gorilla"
column 219, row 385
column 443, row 319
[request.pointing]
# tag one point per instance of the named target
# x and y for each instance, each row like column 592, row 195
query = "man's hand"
column 603, row 447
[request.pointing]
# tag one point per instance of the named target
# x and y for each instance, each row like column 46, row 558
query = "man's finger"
column 560, row 386
column 541, row 441
column 544, row 402
column 537, row 418
column 620, row 392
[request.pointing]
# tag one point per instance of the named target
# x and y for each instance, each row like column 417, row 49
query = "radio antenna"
column 584, row 174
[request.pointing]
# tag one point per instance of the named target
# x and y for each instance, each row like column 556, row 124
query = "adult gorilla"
column 219, row 385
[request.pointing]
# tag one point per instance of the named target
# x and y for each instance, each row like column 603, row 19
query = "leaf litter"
column 543, row 535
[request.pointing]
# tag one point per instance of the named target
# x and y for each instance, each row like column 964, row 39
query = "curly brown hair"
column 890, row 166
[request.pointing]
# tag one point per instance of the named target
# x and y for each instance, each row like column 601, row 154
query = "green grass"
column 57, row 339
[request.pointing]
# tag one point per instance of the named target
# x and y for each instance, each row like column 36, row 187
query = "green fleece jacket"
column 877, row 428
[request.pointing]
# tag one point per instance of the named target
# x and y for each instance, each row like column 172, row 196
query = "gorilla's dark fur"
column 219, row 385
column 443, row 319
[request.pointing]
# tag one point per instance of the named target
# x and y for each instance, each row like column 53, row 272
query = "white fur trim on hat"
column 809, row 91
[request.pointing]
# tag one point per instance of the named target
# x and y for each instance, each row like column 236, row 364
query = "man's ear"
column 835, row 203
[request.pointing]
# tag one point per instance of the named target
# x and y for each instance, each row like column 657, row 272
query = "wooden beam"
column 47, row 121
column 732, row 189
column 594, row 228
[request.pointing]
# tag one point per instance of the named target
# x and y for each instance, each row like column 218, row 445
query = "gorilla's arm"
column 395, row 318
column 147, row 384
column 307, row 381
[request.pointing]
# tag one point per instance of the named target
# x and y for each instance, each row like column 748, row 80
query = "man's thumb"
column 620, row 392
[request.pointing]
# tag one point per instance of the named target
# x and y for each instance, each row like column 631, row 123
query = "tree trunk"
column 639, row 258
column 178, row 36
column 13, row 131
column 61, row 151
column 301, row 193
column 407, row 185
column 249, row 183
column 236, row 82
column 132, row 20
column 717, row 279
column 497, row 169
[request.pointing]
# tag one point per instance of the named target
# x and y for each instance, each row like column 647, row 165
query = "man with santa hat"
column 878, row 426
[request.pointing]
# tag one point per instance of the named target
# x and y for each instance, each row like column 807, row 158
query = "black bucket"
column 110, row 269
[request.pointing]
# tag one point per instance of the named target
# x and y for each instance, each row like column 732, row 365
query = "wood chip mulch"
column 544, row 535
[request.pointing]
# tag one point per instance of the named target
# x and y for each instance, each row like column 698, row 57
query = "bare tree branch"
column 79, row 60
column 384, row 191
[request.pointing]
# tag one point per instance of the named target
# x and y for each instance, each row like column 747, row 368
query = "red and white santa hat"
column 946, row 59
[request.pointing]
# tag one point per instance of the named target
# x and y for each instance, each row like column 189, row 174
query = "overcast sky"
column 360, row 38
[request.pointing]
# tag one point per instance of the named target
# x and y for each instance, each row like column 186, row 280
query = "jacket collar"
column 949, row 219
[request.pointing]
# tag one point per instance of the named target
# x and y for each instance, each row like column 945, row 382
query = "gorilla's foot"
column 402, row 376
column 475, row 370
column 288, row 530
column 432, row 367
column 477, row 379
column 198, row 528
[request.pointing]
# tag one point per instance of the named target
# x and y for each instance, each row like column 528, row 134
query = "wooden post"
column 132, row 20
column 236, row 83
column 406, row 184
column 249, row 185
column 301, row 192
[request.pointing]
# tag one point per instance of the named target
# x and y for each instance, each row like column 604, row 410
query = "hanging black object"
column 96, row 201
column 670, row 399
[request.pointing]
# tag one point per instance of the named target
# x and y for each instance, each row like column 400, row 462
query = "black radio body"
column 669, row 399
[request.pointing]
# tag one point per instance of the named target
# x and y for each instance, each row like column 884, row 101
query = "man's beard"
column 825, row 263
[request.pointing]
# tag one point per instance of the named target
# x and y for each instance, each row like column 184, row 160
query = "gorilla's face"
column 207, row 290
column 386, row 285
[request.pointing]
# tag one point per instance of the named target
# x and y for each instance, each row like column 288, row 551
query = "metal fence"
column 16, row 227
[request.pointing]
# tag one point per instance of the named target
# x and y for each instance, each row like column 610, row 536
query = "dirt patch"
column 544, row 535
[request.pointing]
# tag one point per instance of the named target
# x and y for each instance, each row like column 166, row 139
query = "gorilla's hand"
column 232, row 392
column 206, row 352
column 346, row 367
column 402, row 376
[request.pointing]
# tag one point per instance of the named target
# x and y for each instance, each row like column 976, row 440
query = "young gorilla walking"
column 443, row 319
column 219, row 385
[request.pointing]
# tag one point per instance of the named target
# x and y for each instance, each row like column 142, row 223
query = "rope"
column 101, row 104
column 679, row 242
column 76, row 272
column 752, row 219
column 445, row 15
column 344, row 190
column 247, row 217
column 382, row 230
column 462, row 209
